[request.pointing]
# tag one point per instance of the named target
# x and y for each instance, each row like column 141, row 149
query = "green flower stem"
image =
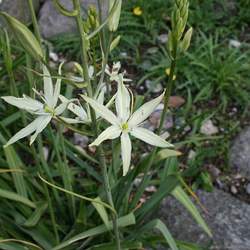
column 102, row 161
column 168, row 92
column 109, row 194
column 34, row 21
column 150, row 162
column 67, row 170
column 63, row 169
column 104, row 64
column 51, row 210
column 84, row 53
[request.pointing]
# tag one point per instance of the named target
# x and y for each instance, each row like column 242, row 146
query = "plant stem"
column 46, row 168
column 84, row 53
column 150, row 162
column 34, row 21
column 102, row 161
column 109, row 195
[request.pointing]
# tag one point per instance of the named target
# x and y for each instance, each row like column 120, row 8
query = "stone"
column 239, row 154
column 80, row 140
column 234, row 43
column 208, row 128
column 162, row 38
column 248, row 188
column 53, row 23
column 154, row 88
column 153, row 121
column 228, row 219
column 18, row 9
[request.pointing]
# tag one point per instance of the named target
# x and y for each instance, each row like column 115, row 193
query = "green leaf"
column 183, row 198
column 16, row 197
column 36, row 216
column 101, row 211
column 124, row 221
column 24, row 36
column 63, row 10
column 159, row 225
column 9, row 244
column 112, row 246
column 78, row 195
column 15, row 163
column 166, row 188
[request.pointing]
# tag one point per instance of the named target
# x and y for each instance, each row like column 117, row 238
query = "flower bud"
column 24, row 36
column 115, row 16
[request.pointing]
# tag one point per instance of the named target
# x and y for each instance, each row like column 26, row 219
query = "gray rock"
column 19, row 9
column 240, row 153
column 153, row 121
column 53, row 23
column 248, row 188
column 229, row 220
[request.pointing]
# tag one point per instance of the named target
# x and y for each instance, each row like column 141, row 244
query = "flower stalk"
column 102, row 161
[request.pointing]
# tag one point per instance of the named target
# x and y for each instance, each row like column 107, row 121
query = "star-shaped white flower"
column 44, row 111
column 114, row 72
column 83, row 116
column 126, row 124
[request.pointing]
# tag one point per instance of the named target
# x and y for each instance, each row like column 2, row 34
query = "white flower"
column 45, row 111
column 114, row 72
column 83, row 116
column 80, row 79
column 126, row 124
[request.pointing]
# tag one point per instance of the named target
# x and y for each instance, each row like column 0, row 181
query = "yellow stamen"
column 125, row 126
column 49, row 110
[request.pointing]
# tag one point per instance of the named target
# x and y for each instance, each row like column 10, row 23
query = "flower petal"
column 43, row 122
column 25, row 103
column 111, row 132
column 24, row 132
column 71, row 120
column 144, row 111
column 47, row 86
column 149, row 137
column 122, row 102
column 78, row 110
column 102, row 110
column 61, row 108
column 100, row 97
column 126, row 148
column 57, row 87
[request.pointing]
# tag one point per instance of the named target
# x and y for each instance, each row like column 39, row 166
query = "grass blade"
column 183, row 198
column 16, row 197
column 124, row 221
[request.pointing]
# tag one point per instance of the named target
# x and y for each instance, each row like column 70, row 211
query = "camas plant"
column 42, row 206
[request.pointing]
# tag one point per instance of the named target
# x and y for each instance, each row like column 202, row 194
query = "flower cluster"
column 124, row 123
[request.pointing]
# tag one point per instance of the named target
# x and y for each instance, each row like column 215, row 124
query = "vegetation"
column 58, row 195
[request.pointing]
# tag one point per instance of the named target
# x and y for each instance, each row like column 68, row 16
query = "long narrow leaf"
column 15, row 162
column 124, row 221
column 35, row 217
column 101, row 211
column 183, row 198
column 78, row 195
column 16, row 197
column 159, row 225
